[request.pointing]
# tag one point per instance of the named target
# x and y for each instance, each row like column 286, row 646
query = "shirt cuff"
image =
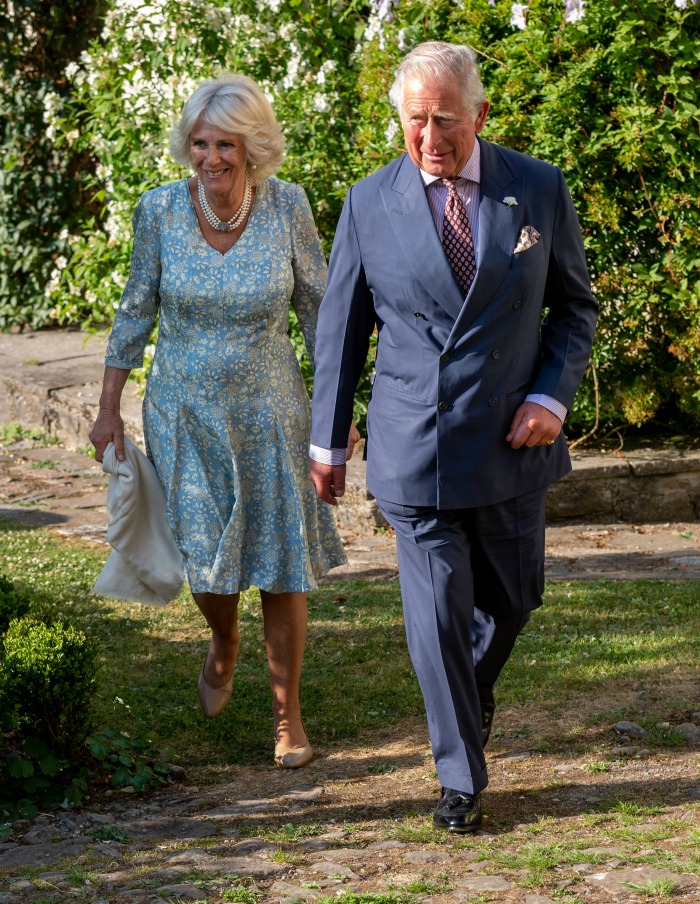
column 327, row 456
column 549, row 403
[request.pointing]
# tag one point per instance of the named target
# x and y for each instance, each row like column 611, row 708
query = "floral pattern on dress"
column 226, row 412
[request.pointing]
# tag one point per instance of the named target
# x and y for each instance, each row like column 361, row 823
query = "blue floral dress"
column 226, row 413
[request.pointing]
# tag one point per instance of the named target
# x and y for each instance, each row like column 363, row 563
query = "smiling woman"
column 219, row 257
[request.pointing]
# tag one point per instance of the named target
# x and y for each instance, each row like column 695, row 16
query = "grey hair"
column 438, row 61
column 236, row 104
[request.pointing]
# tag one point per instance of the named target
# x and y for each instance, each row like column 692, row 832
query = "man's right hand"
column 329, row 481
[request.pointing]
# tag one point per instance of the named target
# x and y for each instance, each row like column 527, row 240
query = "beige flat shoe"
column 293, row 757
column 213, row 700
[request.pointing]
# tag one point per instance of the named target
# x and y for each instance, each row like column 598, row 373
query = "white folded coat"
column 145, row 564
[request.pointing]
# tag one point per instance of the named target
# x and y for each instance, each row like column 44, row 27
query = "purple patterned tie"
column 457, row 238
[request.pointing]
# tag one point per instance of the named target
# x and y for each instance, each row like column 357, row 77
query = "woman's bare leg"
column 286, row 618
column 221, row 613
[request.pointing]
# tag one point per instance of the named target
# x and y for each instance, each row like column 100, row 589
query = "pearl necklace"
column 236, row 219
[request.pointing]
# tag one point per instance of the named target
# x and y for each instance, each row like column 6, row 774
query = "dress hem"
column 319, row 572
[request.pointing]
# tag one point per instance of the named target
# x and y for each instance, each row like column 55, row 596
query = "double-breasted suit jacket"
column 450, row 371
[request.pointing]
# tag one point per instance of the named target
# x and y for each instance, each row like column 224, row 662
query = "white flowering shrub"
column 130, row 86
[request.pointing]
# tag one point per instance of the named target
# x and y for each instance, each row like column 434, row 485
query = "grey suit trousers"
column 469, row 580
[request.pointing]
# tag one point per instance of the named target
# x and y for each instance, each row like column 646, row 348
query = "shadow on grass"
column 356, row 678
column 29, row 518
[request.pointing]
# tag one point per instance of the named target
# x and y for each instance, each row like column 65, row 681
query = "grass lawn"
column 588, row 639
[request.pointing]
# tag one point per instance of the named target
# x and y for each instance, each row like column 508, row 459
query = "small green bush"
column 14, row 602
column 32, row 777
column 46, row 678
column 48, row 758
column 48, row 673
column 130, row 761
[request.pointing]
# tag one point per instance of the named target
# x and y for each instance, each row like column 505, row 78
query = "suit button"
column 444, row 358
column 493, row 402
column 496, row 353
column 443, row 406
column 517, row 305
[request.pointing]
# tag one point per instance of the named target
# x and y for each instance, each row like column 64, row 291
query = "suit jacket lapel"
column 412, row 222
column 498, row 229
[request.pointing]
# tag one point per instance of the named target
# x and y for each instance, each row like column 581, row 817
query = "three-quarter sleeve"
column 309, row 267
column 141, row 299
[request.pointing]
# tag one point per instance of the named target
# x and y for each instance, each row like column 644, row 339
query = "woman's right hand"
column 108, row 428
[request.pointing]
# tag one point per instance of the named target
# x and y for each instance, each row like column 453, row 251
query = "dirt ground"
column 540, row 767
column 553, row 786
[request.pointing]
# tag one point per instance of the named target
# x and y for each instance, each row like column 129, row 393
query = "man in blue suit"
column 468, row 260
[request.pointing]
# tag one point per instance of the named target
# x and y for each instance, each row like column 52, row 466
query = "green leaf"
column 20, row 768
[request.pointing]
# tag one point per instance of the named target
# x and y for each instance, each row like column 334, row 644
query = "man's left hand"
column 533, row 425
column 353, row 439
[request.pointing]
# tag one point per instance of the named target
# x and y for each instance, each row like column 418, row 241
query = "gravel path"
column 554, row 831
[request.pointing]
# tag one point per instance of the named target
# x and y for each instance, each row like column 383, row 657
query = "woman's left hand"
column 353, row 439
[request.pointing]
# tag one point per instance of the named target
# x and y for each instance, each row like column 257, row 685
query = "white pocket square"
column 528, row 237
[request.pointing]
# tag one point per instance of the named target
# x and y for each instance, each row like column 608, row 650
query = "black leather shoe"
column 487, row 711
column 458, row 812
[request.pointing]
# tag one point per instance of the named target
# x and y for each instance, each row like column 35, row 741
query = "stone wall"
column 661, row 484
column 642, row 485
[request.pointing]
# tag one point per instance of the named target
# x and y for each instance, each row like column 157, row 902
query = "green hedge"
column 42, row 176
column 610, row 94
column 49, row 675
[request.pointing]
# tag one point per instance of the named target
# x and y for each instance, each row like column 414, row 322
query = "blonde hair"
column 233, row 103
column 441, row 62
